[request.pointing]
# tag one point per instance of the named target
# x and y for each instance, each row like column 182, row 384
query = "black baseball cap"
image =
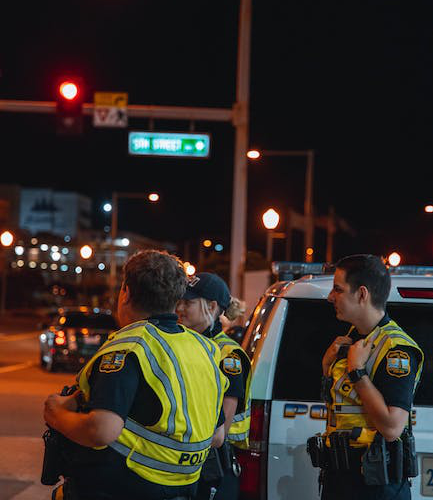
column 208, row 286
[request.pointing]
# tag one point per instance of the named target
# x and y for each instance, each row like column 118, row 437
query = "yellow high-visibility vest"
column 183, row 370
column 346, row 410
column 238, row 433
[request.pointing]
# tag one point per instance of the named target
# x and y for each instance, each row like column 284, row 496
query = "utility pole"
column 240, row 174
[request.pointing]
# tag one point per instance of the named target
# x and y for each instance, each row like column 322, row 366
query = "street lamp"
column 271, row 219
column 153, row 198
column 6, row 240
column 394, row 259
column 308, row 199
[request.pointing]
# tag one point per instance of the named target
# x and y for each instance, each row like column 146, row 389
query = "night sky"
column 352, row 81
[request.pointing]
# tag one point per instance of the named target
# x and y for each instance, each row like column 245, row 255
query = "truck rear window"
column 311, row 326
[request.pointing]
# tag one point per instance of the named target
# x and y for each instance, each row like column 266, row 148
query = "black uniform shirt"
column 117, row 385
column 396, row 386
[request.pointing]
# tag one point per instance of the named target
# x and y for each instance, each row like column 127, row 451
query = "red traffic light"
column 69, row 105
column 68, row 90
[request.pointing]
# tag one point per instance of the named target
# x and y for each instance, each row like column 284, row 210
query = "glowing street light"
column 271, row 218
column 86, row 251
column 207, row 243
column 189, row 268
column 394, row 259
column 428, row 209
column 6, row 238
column 253, row 154
column 153, row 197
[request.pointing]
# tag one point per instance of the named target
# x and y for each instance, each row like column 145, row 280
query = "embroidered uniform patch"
column 232, row 364
column 112, row 362
column 398, row 363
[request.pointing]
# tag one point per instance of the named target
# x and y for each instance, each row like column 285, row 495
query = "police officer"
column 152, row 396
column 369, row 377
column 208, row 297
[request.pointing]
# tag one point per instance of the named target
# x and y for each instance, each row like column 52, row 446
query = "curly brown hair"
column 156, row 281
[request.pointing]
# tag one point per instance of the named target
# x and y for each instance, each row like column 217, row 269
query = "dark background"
column 353, row 81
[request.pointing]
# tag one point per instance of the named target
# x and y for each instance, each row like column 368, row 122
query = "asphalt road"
column 23, row 389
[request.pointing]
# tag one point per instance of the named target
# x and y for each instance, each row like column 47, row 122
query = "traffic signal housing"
column 69, row 106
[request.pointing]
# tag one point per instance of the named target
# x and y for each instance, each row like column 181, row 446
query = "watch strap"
column 356, row 375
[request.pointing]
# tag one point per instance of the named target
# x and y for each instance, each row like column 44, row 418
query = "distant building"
column 56, row 212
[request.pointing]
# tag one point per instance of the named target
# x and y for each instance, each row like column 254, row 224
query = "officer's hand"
column 332, row 351
column 358, row 354
column 55, row 402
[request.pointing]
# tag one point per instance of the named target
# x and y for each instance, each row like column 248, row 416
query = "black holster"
column 212, row 471
column 375, row 462
column 53, row 465
column 316, row 450
column 410, row 462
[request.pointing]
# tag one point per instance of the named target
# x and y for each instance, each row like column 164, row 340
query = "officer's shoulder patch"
column 232, row 364
column 397, row 363
column 112, row 361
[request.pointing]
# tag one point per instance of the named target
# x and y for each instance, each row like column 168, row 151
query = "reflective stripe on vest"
column 346, row 411
column 172, row 451
column 239, row 429
column 152, row 463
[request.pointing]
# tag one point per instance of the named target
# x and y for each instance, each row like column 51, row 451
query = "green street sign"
column 175, row 144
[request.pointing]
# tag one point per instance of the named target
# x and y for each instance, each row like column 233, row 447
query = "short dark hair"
column 369, row 271
column 156, row 281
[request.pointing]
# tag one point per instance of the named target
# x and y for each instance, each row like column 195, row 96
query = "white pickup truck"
column 286, row 336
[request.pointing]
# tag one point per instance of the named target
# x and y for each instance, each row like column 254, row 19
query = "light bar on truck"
column 293, row 270
column 412, row 270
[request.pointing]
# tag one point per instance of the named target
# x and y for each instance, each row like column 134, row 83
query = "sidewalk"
column 23, row 454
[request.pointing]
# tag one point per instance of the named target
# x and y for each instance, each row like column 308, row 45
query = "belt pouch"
column 343, row 450
column 375, row 463
column 396, row 461
column 333, row 451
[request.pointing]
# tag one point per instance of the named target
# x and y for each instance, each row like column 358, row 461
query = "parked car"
column 286, row 337
column 73, row 337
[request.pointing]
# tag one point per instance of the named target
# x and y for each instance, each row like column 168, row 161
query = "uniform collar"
column 217, row 328
column 384, row 321
column 166, row 322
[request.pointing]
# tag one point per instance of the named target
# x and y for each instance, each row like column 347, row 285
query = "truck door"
column 297, row 412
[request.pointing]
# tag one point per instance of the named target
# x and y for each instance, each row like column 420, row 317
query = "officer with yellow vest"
column 152, row 397
column 208, row 297
column 369, row 378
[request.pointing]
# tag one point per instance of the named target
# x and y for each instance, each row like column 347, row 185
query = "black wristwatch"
column 356, row 375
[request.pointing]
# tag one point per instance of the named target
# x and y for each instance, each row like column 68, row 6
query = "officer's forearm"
column 229, row 405
column 389, row 421
column 97, row 428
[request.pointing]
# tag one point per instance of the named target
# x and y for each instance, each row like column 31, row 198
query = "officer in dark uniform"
column 208, row 297
column 152, row 393
column 369, row 378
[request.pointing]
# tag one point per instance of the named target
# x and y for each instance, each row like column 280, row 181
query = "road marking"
column 19, row 336
column 19, row 366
